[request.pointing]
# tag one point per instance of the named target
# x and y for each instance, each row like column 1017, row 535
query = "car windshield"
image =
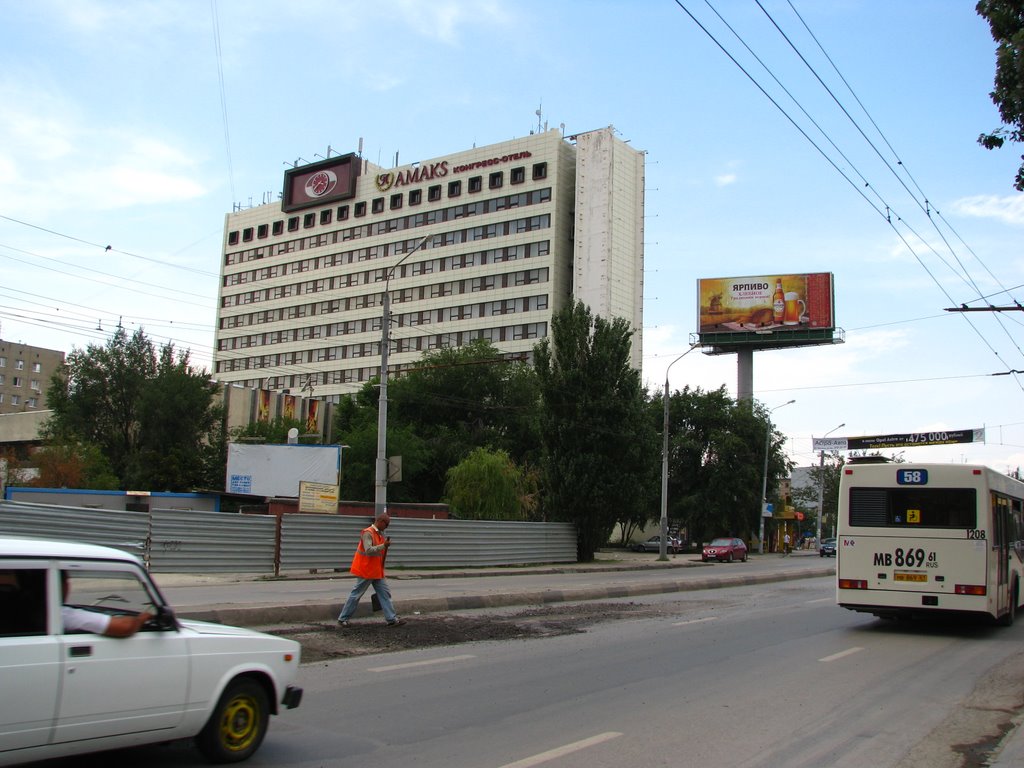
column 721, row 542
column 828, row 541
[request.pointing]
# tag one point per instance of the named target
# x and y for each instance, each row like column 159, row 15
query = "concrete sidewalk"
column 256, row 601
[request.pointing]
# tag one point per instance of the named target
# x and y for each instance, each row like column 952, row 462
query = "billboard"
column 320, row 183
column 279, row 470
column 907, row 440
column 766, row 310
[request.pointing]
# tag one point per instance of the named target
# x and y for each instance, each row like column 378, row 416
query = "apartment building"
column 25, row 373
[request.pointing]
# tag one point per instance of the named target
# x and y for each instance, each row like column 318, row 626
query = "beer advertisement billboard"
column 739, row 309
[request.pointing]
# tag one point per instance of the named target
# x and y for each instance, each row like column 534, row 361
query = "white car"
column 67, row 693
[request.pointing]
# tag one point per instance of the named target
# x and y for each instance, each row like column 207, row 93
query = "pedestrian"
column 785, row 544
column 368, row 568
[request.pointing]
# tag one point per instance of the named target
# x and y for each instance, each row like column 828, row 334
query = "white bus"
column 918, row 539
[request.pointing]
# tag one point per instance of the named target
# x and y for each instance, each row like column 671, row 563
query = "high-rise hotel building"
column 485, row 243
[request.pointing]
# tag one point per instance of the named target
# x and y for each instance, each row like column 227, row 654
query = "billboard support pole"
column 745, row 374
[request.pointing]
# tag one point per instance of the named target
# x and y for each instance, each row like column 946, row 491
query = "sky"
column 781, row 136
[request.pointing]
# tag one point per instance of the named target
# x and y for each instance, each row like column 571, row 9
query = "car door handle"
column 80, row 650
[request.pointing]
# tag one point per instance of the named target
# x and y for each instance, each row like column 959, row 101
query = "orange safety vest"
column 369, row 566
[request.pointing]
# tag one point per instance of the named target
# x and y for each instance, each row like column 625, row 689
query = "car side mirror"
column 165, row 620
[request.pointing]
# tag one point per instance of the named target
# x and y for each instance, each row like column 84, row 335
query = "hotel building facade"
column 487, row 243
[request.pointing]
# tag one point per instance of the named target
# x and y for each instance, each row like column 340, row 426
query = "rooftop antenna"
column 538, row 113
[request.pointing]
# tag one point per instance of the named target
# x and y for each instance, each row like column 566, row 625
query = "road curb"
column 270, row 615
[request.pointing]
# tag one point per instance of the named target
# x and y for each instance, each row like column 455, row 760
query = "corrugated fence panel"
column 122, row 530
column 186, row 541
column 441, row 543
column 190, row 541
column 327, row 542
column 319, row 542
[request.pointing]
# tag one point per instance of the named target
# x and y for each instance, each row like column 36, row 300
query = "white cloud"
column 725, row 179
column 1006, row 209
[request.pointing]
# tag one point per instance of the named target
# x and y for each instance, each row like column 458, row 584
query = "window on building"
column 325, row 216
column 37, row 367
column 434, row 193
column 396, row 202
column 495, row 180
column 262, row 231
column 540, row 171
column 475, row 183
column 454, row 188
column 17, row 381
column 31, row 402
column 34, row 384
column 517, row 175
column 233, row 238
column 15, row 399
column 2, row 379
column 309, row 220
column 293, row 223
column 277, row 228
column 415, row 196
column 247, row 234
column 342, row 212
column 361, row 208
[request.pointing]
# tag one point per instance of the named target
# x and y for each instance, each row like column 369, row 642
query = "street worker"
column 368, row 568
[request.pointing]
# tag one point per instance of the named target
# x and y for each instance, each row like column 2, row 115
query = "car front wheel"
column 238, row 723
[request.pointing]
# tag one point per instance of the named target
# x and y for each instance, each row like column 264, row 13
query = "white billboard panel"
column 277, row 470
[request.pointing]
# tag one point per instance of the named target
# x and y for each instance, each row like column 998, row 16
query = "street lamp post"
column 380, row 495
column 764, row 484
column 664, row 462
column 821, row 486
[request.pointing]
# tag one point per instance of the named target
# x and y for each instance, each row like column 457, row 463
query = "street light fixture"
column 380, row 494
column 764, row 484
column 662, row 548
column 821, row 486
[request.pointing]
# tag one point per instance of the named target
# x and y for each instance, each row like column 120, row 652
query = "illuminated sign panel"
column 766, row 310
column 320, row 183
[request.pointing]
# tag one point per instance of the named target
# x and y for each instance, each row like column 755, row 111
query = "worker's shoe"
column 342, row 623
column 396, row 622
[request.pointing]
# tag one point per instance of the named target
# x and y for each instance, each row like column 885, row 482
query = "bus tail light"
column 970, row 589
column 853, row 584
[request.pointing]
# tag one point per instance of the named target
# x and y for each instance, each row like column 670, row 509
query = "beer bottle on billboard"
column 779, row 302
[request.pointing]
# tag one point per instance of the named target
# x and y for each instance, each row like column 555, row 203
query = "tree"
column 72, row 466
column 486, row 485
column 1006, row 19
column 151, row 415
column 599, row 450
column 453, row 401
column 716, row 462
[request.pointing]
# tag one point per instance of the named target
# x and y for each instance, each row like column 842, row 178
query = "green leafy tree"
column 1006, row 20
column 454, row 401
column 150, row 414
column 716, row 462
column 600, row 452
column 272, row 432
column 486, row 485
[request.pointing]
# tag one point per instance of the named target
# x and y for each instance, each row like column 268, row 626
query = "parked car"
column 827, row 548
column 725, row 549
column 72, row 693
column 653, row 544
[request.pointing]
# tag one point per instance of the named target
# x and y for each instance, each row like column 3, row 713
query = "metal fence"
column 189, row 541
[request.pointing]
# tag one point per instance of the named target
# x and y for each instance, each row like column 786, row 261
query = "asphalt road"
column 759, row 675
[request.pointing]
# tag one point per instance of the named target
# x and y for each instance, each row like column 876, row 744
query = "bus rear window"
column 914, row 507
